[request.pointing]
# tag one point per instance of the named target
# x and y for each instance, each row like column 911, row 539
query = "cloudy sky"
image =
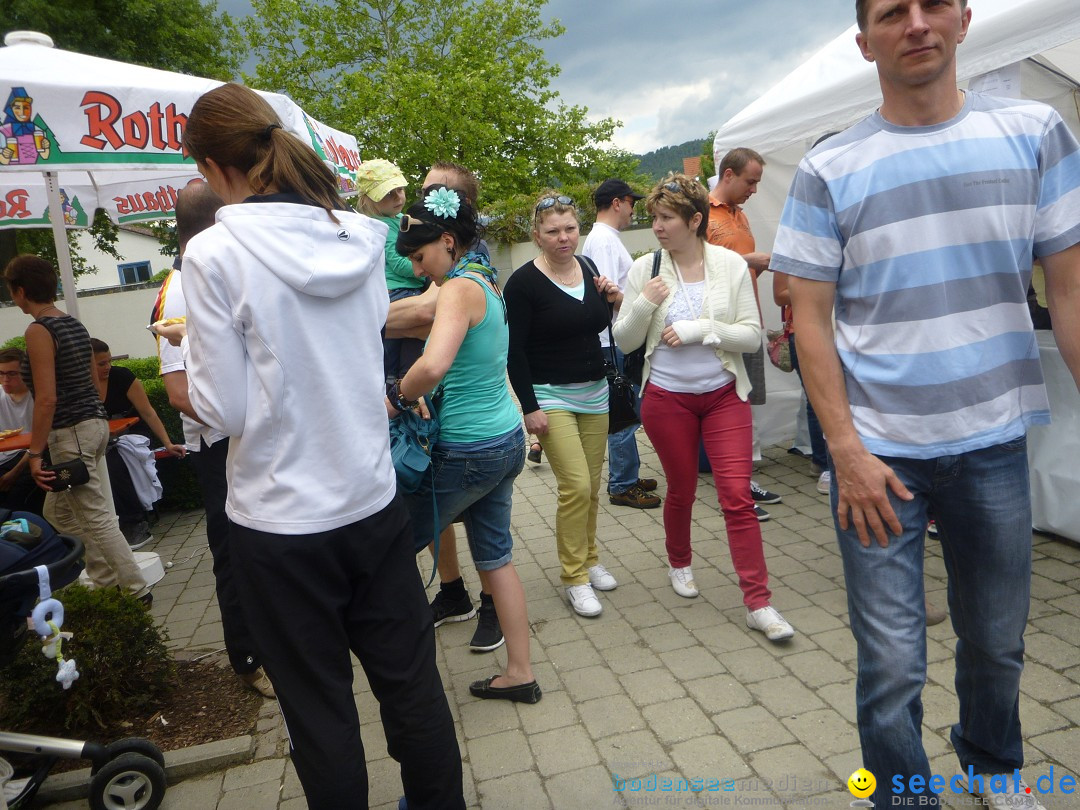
column 673, row 70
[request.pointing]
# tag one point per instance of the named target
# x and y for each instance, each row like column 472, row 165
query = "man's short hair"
column 737, row 160
column 34, row 276
column 465, row 180
column 196, row 209
column 861, row 7
column 12, row 355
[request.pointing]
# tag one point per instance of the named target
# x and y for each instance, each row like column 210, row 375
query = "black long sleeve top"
column 554, row 338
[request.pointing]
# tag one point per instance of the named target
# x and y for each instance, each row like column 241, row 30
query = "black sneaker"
column 488, row 635
column 761, row 514
column 762, row 495
column 445, row 609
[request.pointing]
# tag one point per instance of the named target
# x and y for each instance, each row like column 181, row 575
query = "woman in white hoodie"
column 285, row 297
column 696, row 317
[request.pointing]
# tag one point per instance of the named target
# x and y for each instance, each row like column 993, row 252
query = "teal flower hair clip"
column 443, row 202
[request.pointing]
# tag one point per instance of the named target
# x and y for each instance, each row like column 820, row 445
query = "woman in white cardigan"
column 696, row 318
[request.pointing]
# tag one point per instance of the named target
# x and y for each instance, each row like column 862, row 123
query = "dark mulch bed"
column 209, row 703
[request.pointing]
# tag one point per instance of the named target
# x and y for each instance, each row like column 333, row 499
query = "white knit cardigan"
column 729, row 321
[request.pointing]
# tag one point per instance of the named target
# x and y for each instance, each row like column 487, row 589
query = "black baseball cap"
column 611, row 190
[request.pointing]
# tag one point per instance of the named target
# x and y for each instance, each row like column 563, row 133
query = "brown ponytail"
column 236, row 127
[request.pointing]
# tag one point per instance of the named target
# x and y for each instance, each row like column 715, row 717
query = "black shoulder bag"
column 622, row 400
column 634, row 362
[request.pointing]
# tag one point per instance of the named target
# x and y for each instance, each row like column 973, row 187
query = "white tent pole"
column 63, row 251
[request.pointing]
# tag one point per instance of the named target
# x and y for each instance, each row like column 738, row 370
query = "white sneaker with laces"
column 769, row 621
column 682, row 580
column 583, row 600
column 601, row 579
column 1010, row 798
column 824, row 482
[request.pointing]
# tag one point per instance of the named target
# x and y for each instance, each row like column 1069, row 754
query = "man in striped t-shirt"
column 919, row 224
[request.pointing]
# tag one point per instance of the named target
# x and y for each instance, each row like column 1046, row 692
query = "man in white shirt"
column 614, row 210
column 18, row 492
column 196, row 208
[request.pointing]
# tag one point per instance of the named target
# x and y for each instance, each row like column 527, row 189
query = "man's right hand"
column 863, row 482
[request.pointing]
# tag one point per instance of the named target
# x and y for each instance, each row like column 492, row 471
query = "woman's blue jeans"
column 982, row 505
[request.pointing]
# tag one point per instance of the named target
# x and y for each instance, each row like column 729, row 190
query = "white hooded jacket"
column 284, row 356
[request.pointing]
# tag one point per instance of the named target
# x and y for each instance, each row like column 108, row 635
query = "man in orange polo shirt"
column 738, row 176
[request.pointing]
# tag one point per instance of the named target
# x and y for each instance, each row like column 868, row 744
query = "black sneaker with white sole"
column 762, row 495
column 446, row 609
column 761, row 514
column 488, row 635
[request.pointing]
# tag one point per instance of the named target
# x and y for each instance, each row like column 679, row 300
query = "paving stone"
column 605, row 716
column 635, row 754
column 264, row 794
column 243, row 776
column 677, row 720
column 555, row 710
column 707, row 757
column 524, row 791
column 792, row 772
column 585, row 787
column 562, row 750
column 817, row 668
column 752, row 728
column 719, row 693
column 500, row 754
column 651, row 686
column 785, row 697
column 590, row 682
column 823, row 731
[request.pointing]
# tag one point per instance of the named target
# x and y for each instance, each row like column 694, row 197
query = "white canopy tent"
column 1016, row 48
column 79, row 133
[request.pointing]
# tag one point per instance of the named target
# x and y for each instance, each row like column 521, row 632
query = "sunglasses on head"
column 548, row 202
column 673, row 186
column 407, row 222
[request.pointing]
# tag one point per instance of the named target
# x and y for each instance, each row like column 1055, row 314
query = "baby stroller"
column 127, row 774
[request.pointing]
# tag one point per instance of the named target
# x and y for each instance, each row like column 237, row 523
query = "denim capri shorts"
column 478, row 485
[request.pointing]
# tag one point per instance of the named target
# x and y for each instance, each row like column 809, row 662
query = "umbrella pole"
column 63, row 251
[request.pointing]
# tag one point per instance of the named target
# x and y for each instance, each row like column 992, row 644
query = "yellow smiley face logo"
column 861, row 783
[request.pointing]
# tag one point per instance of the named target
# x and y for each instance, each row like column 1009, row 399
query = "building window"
column 134, row 272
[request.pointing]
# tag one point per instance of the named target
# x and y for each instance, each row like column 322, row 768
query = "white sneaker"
column 769, row 621
column 601, row 579
column 682, row 580
column 824, row 482
column 1010, row 798
column 583, row 600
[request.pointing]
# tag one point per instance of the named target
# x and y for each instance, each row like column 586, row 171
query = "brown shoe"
column 258, row 682
column 647, row 484
column 635, row 497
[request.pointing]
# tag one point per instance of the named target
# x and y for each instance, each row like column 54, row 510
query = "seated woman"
column 696, row 318
column 70, row 421
column 557, row 308
column 123, row 395
column 480, row 449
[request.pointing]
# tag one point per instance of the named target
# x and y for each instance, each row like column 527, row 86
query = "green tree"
column 708, row 162
column 424, row 80
column 186, row 36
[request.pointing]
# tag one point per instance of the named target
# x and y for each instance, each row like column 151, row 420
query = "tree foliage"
column 419, row 81
column 186, row 36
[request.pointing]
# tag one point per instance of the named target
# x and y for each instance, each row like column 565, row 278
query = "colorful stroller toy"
column 127, row 774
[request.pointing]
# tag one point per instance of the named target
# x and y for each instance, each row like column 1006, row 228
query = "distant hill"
column 668, row 158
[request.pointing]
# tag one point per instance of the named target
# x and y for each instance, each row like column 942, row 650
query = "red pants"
column 676, row 424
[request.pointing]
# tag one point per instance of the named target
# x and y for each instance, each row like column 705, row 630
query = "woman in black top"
column 70, row 421
column 557, row 306
column 123, row 395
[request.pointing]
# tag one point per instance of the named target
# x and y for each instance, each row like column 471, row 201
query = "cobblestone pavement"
column 661, row 685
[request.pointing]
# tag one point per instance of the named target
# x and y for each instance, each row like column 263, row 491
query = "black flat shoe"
column 522, row 693
column 534, row 453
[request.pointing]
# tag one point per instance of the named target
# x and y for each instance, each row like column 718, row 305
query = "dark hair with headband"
column 441, row 210
column 236, row 127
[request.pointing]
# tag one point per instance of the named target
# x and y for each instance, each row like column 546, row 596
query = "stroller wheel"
column 129, row 782
column 135, row 745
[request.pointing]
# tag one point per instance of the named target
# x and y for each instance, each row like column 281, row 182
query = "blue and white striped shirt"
column 929, row 235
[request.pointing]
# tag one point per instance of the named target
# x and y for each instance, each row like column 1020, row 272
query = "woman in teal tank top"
column 480, row 449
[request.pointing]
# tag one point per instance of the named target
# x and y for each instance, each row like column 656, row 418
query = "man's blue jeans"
column 982, row 505
column 624, row 465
